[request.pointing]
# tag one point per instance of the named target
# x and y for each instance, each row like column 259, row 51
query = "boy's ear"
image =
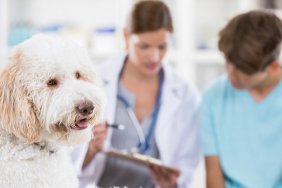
column 273, row 66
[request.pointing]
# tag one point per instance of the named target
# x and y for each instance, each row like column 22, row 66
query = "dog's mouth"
column 81, row 124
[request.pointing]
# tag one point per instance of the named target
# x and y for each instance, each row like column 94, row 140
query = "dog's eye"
column 77, row 75
column 52, row 82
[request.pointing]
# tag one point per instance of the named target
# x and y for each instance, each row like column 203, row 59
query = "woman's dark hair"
column 251, row 41
column 149, row 16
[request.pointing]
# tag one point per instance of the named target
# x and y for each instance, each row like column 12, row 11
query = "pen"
column 116, row 126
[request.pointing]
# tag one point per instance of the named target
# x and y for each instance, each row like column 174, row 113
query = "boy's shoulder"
column 218, row 87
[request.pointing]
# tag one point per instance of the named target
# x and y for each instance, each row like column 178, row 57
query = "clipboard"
column 141, row 159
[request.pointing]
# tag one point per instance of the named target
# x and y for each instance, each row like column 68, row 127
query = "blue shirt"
column 244, row 134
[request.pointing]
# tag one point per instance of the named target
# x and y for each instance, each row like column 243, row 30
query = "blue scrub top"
column 244, row 134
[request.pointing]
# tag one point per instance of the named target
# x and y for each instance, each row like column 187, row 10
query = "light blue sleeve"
column 207, row 124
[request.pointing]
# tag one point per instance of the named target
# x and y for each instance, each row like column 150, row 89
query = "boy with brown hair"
column 241, row 112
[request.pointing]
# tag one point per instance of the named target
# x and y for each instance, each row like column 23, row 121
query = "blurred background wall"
column 98, row 25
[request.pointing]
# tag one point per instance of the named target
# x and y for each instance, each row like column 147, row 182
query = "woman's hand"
column 163, row 177
column 100, row 132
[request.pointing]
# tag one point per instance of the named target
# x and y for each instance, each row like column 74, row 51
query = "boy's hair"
column 149, row 16
column 251, row 41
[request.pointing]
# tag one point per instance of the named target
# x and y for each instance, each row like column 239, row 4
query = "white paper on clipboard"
column 140, row 159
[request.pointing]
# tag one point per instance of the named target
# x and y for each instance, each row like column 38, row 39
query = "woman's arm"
column 96, row 144
column 215, row 178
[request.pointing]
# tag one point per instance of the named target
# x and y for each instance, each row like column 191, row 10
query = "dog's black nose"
column 85, row 108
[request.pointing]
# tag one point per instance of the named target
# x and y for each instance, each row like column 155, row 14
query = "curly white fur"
column 49, row 97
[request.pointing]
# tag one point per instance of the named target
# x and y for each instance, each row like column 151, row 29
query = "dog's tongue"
column 82, row 124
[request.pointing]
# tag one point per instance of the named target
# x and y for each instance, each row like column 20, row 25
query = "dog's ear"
column 17, row 115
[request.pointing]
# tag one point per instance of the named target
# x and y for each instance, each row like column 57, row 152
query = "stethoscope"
column 144, row 140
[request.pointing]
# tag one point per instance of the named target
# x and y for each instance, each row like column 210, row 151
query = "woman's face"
column 241, row 80
column 147, row 50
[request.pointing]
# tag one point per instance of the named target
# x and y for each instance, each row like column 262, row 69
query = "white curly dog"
column 50, row 97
